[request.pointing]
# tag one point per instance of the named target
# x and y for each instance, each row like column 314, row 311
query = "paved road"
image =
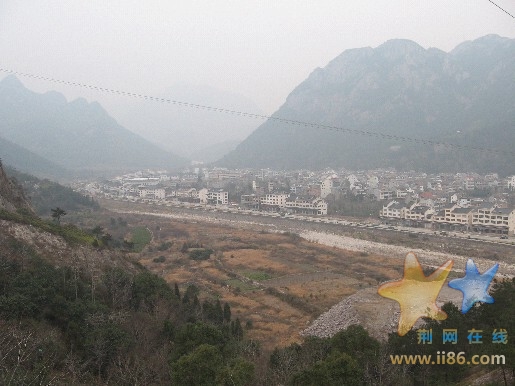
column 222, row 212
column 409, row 237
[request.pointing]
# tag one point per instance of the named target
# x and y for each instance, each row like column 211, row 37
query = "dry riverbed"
column 280, row 284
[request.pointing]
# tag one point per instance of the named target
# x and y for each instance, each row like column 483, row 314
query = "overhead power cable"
column 502, row 9
column 261, row 116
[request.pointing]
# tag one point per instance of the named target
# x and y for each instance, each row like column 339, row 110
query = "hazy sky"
column 261, row 49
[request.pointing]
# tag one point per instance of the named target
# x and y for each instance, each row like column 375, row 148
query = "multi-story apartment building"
column 190, row 193
column 418, row 213
column 490, row 219
column 460, row 216
column 225, row 175
column 154, row 193
column 306, row 205
column 283, row 201
column 141, row 181
column 249, row 201
column 444, row 215
column 393, row 210
column 273, row 201
column 213, row 197
column 510, row 182
column 487, row 218
column 327, row 186
column 383, row 194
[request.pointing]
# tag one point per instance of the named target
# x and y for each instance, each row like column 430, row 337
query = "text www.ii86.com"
column 447, row 358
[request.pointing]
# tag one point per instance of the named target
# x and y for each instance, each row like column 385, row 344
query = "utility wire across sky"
column 502, row 9
column 260, row 116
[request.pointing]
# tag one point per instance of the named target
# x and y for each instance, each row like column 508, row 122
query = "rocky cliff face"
column 11, row 195
column 379, row 96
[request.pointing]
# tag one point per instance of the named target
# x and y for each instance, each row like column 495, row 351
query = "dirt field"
column 277, row 283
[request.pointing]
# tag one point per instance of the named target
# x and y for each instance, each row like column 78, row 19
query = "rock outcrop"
column 11, row 194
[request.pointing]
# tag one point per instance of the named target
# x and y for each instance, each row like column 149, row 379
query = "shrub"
column 200, row 254
column 164, row 246
column 160, row 259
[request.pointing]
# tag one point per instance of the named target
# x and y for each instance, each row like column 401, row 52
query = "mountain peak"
column 76, row 135
column 80, row 102
column 401, row 43
column 396, row 48
column 11, row 81
column 398, row 89
column 391, row 50
column 490, row 42
column 491, row 38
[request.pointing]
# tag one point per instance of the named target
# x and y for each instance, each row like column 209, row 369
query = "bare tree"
column 23, row 357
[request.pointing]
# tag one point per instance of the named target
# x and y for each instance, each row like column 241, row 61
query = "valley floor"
column 279, row 276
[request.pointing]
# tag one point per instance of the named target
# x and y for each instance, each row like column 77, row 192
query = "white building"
column 306, row 205
column 393, row 210
column 213, row 197
column 486, row 219
column 490, row 219
column 150, row 192
column 464, row 202
column 401, row 193
column 327, row 185
column 186, row 193
column 418, row 213
column 141, row 181
column 274, row 200
column 382, row 194
column 511, row 183
column 353, row 180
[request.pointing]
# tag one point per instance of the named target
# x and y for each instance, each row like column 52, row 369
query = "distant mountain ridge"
column 464, row 97
column 77, row 135
column 214, row 152
column 186, row 131
column 25, row 160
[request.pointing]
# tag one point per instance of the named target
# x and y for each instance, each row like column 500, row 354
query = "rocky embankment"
column 366, row 307
column 11, row 195
column 53, row 248
column 378, row 315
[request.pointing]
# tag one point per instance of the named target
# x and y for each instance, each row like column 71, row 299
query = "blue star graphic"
column 474, row 285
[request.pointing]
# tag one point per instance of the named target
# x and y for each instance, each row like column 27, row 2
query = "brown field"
column 277, row 281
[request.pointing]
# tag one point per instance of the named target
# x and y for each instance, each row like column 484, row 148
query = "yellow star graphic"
column 416, row 293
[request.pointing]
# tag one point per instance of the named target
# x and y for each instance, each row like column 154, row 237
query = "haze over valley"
column 251, row 193
column 371, row 96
